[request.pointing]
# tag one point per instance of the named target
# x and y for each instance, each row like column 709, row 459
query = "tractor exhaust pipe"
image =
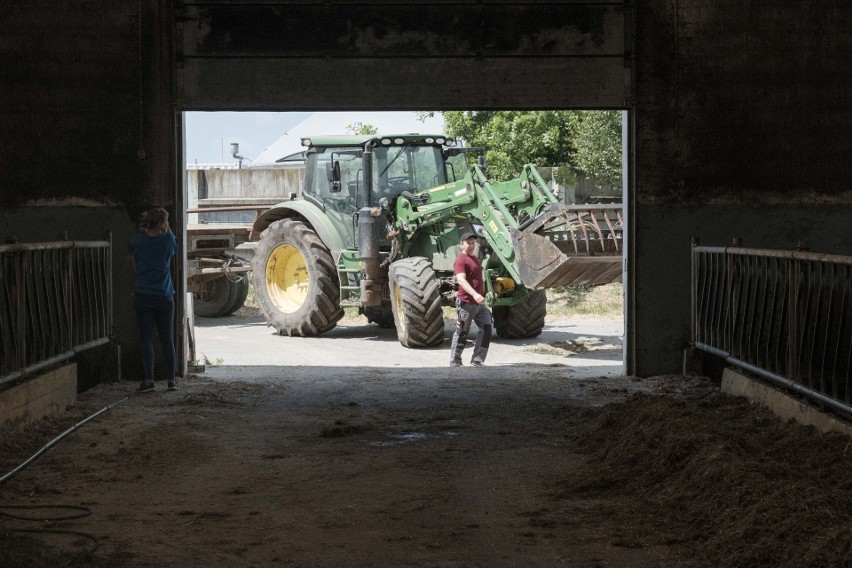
column 372, row 277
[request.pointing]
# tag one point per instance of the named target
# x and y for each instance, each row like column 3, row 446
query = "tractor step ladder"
column 343, row 274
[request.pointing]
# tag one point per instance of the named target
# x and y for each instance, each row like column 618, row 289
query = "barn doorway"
column 236, row 168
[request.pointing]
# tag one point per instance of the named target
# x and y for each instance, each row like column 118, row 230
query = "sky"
column 209, row 135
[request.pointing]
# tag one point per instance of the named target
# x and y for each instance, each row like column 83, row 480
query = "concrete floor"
column 582, row 348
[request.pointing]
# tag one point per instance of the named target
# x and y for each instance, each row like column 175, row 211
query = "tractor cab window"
column 458, row 160
column 405, row 168
column 335, row 178
column 456, row 167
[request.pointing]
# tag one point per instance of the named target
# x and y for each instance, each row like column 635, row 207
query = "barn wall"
column 741, row 109
column 743, row 120
column 402, row 56
column 87, row 122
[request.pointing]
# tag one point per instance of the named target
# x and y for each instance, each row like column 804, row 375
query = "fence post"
column 793, row 276
column 694, row 294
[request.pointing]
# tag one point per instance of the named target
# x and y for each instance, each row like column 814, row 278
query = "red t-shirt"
column 472, row 269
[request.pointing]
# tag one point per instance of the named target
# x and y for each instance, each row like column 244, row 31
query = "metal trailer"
column 218, row 263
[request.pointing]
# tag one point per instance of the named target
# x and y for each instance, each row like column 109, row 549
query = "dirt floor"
column 459, row 469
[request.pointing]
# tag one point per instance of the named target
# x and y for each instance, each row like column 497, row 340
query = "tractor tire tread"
column 323, row 310
column 523, row 320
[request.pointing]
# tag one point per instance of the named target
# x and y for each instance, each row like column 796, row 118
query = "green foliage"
column 361, row 129
column 207, row 361
column 515, row 138
column 598, row 143
column 574, row 141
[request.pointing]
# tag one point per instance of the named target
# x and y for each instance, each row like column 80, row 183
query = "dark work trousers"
column 156, row 311
column 469, row 313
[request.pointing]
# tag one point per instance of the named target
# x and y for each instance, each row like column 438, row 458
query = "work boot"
column 146, row 387
column 477, row 363
column 173, row 386
column 456, row 364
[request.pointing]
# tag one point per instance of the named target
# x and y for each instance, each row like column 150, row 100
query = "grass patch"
column 572, row 302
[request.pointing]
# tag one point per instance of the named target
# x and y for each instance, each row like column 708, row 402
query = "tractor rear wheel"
column 295, row 280
column 522, row 320
column 416, row 303
column 215, row 298
column 239, row 289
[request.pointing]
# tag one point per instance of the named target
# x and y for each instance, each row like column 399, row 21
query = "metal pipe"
column 593, row 207
column 712, row 350
column 53, row 360
column 223, row 270
column 56, row 440
column 26, row 247
column 778, row 379
column 365, row 193
column 791, row 384
column 785, row 254
column 229, row 208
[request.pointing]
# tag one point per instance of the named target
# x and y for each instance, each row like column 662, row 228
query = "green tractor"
column 377, row 226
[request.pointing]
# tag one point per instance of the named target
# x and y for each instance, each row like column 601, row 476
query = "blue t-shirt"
column 153, row 255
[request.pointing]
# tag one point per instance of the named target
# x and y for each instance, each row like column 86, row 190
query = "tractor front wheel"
column 522, row 320
column 416, row 303
column 295, row 280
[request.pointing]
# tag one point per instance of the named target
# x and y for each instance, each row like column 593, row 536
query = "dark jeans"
column 156, row 311
column 468, row 314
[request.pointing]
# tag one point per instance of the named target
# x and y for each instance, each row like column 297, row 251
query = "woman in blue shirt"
column 151, row 252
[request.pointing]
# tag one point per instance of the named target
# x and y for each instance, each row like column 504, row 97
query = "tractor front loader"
column 378, row 227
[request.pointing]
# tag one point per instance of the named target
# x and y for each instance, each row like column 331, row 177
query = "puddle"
column 406, row 437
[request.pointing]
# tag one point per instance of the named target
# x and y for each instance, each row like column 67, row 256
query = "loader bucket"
column 570, row 245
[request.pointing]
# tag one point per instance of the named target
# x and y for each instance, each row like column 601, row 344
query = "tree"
column 587, row 142
column 598, row 147
column 359, row 129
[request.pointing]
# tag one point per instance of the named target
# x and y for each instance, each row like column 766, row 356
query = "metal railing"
column 783, row 315
column 55, row 301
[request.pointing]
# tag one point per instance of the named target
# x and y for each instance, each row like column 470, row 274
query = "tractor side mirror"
column 482, row 164
column 332, row 172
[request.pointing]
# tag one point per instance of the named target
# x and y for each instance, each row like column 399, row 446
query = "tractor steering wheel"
column 398, row 183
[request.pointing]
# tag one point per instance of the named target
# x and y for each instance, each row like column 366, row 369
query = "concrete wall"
column 243, row 184
column 44, row 394
column 87, row 95
column 407, row 56
column 740, row 124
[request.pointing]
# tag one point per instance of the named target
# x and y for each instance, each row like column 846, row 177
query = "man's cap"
column 466, row 233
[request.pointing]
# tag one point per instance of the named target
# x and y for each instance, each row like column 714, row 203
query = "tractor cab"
column 345, row 173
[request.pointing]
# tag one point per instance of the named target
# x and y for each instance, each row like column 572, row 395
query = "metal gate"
column 55, row 300
column 784, row 315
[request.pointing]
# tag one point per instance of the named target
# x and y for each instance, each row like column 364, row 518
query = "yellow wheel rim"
column 287, row 278
column 397, row 299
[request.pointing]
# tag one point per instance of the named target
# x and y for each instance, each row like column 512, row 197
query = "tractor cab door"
column 332, row 182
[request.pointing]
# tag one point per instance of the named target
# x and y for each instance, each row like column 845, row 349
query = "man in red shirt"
column 470, row 303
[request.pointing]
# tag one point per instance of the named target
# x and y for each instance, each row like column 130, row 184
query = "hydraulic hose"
column 54, row 441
